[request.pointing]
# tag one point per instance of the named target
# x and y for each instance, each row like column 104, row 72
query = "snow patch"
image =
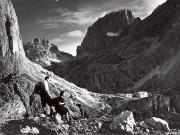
column 111, row 34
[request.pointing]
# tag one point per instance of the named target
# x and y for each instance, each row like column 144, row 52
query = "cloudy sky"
column 64, row 22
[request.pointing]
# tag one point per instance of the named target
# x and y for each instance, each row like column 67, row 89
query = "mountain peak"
column 42, row 52
column 98, row 34
column 121, row 56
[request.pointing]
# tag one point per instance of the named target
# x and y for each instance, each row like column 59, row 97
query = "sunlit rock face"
column 18, row 75
column 10, row 41
column 11, row 61
column 144, row 55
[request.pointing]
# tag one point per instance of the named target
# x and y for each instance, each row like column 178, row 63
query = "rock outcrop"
column 124, row 121
column 12, row 60
column 141, row 94
column 42, row 52
column 18, row 75
column 164, row 107
column 10, row 41
column 131, row 115
column 143, row 56
column 158, row 124
column 146, row 107
column 100, row 34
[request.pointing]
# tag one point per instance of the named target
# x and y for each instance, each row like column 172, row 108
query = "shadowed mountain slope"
column 121, row 53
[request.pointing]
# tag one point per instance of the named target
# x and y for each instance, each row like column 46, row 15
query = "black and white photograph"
column 89, row 67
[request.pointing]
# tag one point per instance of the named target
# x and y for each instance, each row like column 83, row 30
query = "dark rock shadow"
column 13, row 127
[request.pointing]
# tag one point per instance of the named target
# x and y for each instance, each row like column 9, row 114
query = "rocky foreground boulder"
column 124, row 121
column 158, row 124
column 150, row 115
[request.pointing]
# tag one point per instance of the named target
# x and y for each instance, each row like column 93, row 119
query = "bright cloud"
column 57, row 40
column 89, row 13
column 151, row 5
column 70, row 47
column 80, row 17
column 68, row 42
column 75, row 33
column 65, row 36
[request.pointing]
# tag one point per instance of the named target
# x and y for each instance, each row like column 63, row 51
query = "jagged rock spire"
column 11, row 49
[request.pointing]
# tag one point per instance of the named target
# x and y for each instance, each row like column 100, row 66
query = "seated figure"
column 59, row 105
column 51, row 105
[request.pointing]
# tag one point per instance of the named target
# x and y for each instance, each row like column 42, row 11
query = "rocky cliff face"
column 42, row 52
column 10, row 40
column 18, row 75
column 100, row 34
column 143, row 55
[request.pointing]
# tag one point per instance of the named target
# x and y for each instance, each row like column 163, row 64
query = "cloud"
column 50, row 26
column 151, row 5
column 66, row 16
column 69, row 41
column 57, row 40
column 70, row 47
column 75, row 33
column 87, row 13
column 65, row 37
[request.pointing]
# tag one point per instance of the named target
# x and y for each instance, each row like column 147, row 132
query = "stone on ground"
column 34, row 130
column 124, row 121
column 141, row 94
column 42, row 115
column 28, row 130
column 143, row 125
column 25, row 130
column 58, row 119
column 158, row 124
